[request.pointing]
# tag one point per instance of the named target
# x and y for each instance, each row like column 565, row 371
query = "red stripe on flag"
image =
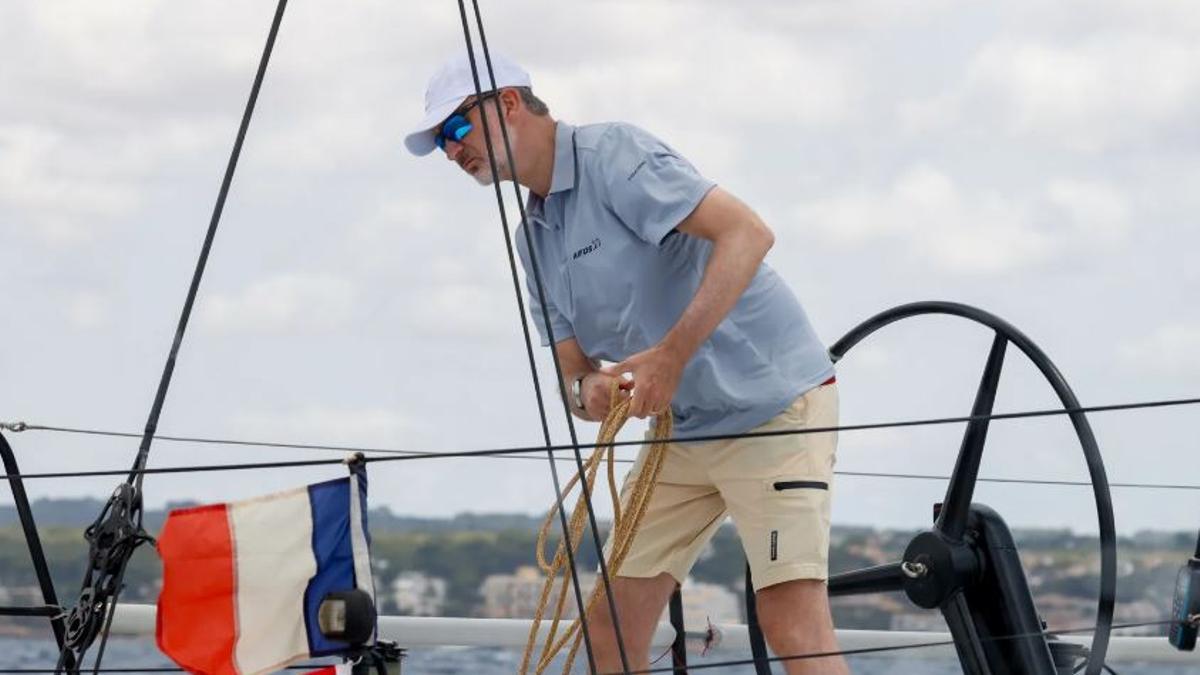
column 197, row 611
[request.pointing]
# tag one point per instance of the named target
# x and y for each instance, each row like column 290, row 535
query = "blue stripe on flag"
column 335, row 558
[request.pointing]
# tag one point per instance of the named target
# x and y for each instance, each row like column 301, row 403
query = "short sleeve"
column 650, row 187
column 562, row 327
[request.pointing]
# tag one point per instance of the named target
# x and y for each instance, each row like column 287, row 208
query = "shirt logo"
column 592, row 246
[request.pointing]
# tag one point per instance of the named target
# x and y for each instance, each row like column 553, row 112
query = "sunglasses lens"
column 454, row 129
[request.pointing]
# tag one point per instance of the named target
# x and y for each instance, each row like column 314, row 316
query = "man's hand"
column 655, row 377
column 596, row 391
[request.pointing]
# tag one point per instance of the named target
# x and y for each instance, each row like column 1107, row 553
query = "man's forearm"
column 731, row 266
column 574, row 364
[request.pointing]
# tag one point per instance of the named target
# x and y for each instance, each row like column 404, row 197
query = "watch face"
column 577, row 391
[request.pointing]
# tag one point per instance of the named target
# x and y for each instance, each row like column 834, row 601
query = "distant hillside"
column 465, row 549
column 78, row 513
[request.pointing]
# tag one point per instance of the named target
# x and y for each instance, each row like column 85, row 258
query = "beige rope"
column 626, row 520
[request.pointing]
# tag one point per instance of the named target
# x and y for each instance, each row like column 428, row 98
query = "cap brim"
column 423, row 141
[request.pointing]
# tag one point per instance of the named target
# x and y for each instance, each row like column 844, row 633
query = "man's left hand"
column 654, row 375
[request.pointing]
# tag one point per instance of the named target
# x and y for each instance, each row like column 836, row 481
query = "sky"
column 1036, row 160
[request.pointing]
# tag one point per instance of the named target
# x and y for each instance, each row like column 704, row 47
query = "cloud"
column 1109, row 89
column 443, row 277
column 282, row 304
column 53, row 185
column 393, row 225
column 728, row 67
column 1096, row 210
column 133, row 54
column 323, row 424
column 88, row 309
column 933, row 220
column 463, row 310
column 1171, row 349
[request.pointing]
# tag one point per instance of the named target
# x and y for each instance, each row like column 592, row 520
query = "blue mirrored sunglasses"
column 456, row 127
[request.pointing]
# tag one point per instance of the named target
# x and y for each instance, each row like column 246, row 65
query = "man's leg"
column 640, row 602
column 778, row 490
column 684, row 512
column 795, row 619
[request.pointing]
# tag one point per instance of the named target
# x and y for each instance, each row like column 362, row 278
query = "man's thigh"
column 778, row 489
column 684, row 512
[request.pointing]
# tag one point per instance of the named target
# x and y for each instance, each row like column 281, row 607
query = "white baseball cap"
column 451, row 85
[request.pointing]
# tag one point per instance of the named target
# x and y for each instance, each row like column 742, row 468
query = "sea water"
column 125, row 653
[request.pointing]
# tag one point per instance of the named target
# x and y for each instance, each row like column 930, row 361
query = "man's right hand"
column 596, row 392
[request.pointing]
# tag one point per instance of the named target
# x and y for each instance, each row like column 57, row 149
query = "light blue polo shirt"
column 618, row 276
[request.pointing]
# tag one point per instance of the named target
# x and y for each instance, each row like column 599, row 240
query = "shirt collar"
column 563, row 177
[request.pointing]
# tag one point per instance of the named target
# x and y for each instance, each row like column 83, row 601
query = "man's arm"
column 740, row 242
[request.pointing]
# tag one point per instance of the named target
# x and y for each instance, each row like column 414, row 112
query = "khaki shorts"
column 777, row 489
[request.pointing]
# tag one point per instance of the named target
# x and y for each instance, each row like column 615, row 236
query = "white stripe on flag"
column 358, row 541
column 273, row 539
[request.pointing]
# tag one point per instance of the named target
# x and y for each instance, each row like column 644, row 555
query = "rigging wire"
column 392, row 455
column 867, row 426
column 891, row 648
column 415, row 455
column 118, row 531
column 537, row 277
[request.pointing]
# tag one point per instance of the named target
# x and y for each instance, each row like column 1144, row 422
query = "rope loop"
column 629, row 507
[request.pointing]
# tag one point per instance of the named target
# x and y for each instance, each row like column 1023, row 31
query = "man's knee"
column 790, row 601
column 639, row 602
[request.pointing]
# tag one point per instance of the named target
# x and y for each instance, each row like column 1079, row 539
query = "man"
column 648, row 264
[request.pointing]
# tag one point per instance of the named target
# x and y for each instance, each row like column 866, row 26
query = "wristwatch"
column 577, row 392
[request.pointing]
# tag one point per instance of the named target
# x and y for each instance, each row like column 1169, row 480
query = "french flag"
column 242, row 581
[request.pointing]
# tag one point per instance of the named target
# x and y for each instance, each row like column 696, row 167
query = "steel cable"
column 100, row 594
column 392, row 455
column 541, row 291
column 891, row 648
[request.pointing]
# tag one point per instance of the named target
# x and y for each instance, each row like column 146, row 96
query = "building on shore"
column 417, row 594
column 516, row 595
column 705, row 603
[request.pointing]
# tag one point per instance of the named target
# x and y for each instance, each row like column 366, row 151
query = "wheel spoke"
column 952, row 519
column 879, row 579
column 966, row 639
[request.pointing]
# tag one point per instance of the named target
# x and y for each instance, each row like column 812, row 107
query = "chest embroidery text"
column 592, row 246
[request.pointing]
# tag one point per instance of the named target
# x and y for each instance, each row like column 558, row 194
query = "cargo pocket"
column 798, row 515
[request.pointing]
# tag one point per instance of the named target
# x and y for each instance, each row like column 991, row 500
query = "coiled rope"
column 627, row 518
